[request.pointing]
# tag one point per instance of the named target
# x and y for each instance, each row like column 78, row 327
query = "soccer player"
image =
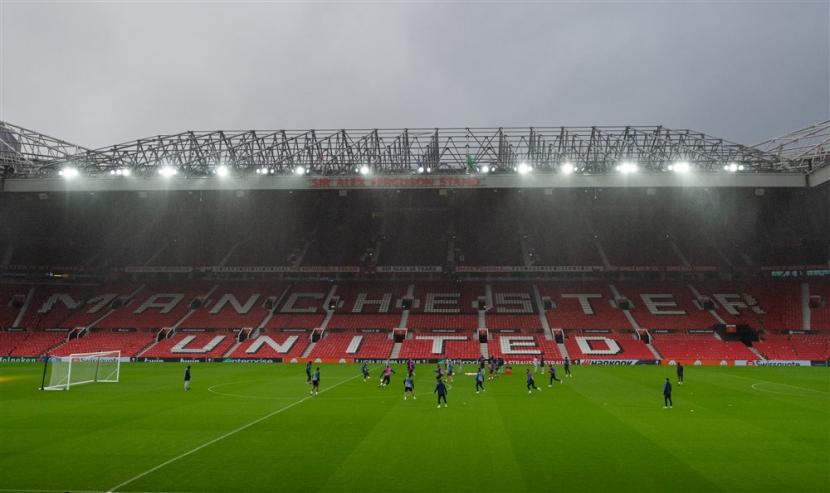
column 450, row 375
column 308, row 371
column 679, row 373
column 479, row 380
column 542, row 363
column 410, row 367
column 492, row 369
column 535, row 364
column 531, row 383
column 667, row 394
column 187, row 378
column 408, row 386
column 439, row 373
column 365, row 370
column 552, row 372
column 481, row 362
column 387, row 376
column 441, row 390
column 567, row 366
column 315, row 381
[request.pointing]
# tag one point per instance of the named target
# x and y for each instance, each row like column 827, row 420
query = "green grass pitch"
column 254, row 428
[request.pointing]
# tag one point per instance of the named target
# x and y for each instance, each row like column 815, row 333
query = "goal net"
column 78, row 369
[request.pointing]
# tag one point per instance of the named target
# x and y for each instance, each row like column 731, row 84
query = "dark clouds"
column 98, row 73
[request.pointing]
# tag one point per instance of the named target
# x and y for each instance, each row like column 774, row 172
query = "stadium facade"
column 610, row 245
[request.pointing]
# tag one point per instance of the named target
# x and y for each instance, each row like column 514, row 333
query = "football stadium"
column 448, row 309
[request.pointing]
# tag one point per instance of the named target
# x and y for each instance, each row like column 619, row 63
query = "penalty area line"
column 222, row 437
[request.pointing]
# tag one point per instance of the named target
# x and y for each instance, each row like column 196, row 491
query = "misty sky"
column 99, row 73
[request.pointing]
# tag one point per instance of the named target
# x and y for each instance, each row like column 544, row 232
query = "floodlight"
column 167, row 171
column 68, row 172
column 524, row 168
column 126, row 172
column 364, row 170
column 299, row 170
column 681, row 167
column 485, row 169
column 733, row 167
column 420, row 169
column 567, row 168
column 222, row 171
column 627, row 167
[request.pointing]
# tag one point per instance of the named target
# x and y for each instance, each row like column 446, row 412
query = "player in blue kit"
column 531, row 383
column 441, row 390
column 408, row 387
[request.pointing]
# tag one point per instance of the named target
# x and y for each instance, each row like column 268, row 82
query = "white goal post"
column 81, row 368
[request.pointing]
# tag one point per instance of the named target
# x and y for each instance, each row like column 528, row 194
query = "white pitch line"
column 760, row 380
column 222, row 437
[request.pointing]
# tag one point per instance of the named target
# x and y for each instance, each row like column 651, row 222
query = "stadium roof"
column 582, row 151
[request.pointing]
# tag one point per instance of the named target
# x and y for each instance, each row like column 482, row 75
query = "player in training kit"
column 479, row 380
column 439, row 373
column 542, row 363
column 667, row 394
column 387, row 376
column 679, row 373
column 492, row 368
column 187, row 378
column 365, row 370
column 481, row 362
column 535, row 365
column 450, row 374
column 315, row 381
column 567, row 366
column 531, row 383
column 409, row 386
column 308, row 372
column 441, row 390
column 410, row 367
column 552, row 371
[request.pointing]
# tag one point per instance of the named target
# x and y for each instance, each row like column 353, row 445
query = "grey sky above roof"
column 100, row 73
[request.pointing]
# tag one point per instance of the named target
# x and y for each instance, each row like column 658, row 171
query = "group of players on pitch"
column 495, row 365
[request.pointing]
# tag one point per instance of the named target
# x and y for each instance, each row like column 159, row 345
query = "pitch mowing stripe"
column 222, row 437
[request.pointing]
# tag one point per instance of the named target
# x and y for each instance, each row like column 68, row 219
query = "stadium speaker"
column 406, row 303
column 269, row 304
column 196, row 304
column 816, row 301
column 116, row 303
column 708, row 304
column 624, row 304
column 482, row 305
column 548, row 304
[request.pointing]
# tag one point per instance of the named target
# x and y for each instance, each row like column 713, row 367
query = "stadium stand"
column 294, row 344
column 129, row 343
column 700, row 347
column 665, row 298
column 421, row 345
column 181, row 345
column 531, row 346
column 569, row 313
column 630, row 348
column 29, row 343
column 250, row 296
column 12, row 297
column 820, row 315
column 813, row 347
column 334, row 345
